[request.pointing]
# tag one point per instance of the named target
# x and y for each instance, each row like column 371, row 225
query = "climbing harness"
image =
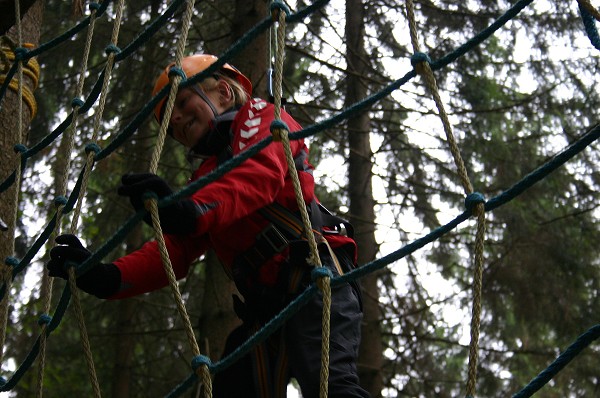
column 285, row 227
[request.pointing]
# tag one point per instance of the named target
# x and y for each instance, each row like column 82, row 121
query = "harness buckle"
column 269, row 241
column 274, row 238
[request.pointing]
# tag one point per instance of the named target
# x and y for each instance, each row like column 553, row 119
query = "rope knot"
column 77, row 102
column 20, row 148
column 148, row 195
column 11, row 261
column 45, row 319
column 112, row 49
column 473, row 200
column 418, row 58
column 276, row 8
column 20, row 53
column 94, row 6
column 277, row 129
column 320, row 272
column 175, row 70
column 60, row 200
column 92, row 147
column 201, row 360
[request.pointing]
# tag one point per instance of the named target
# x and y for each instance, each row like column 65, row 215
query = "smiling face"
column 191, row 116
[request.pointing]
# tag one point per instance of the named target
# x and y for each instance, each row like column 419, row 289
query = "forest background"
column 514, row 101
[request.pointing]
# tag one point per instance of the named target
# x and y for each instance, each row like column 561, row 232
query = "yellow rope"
column 152, row 207
column 26, row 95
column 83, row 332
column 31, row 70
column 282, row 135
column 424, row 69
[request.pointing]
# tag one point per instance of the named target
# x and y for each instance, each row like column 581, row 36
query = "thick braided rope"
column 46, row 291
column 477, row 287
column 85, row 341
column 152, row 206
column 69, row 137
column 590, row 8
column 281, row 134
column 88, row 169
column 168, row 267
column 175, row 80
column 424, row 69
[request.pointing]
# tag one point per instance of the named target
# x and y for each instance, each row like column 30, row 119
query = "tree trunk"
column 121, row 381
column 124, row 343
column 9, row 137
column 252, row 60
column 217, row 318
column 361, row 198
column 7, row 13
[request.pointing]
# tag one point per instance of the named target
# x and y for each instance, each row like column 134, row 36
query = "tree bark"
column 122, row 369
column 217, row 318
column 7, row 13
column 9, row 137
column 252, row 60
column 362, row 203
column 124, row 343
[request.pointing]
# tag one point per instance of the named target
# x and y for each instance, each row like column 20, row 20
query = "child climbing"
column 249, row 217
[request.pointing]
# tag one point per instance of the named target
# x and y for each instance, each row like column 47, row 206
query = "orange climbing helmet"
column 191, row 66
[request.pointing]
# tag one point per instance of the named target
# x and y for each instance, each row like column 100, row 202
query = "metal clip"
column 274, row 238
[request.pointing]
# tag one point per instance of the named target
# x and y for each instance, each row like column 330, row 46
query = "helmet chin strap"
column 202, row 95
column 218, row 137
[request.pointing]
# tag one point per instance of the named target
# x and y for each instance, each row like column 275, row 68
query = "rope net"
column 23, row 61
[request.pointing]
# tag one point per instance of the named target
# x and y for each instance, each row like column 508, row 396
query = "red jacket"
column 231, row 222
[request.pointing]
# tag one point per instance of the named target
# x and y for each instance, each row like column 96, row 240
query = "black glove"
column 102, row 280
column 178, row 218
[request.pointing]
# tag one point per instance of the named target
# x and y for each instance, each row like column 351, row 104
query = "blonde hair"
column 240, row 96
